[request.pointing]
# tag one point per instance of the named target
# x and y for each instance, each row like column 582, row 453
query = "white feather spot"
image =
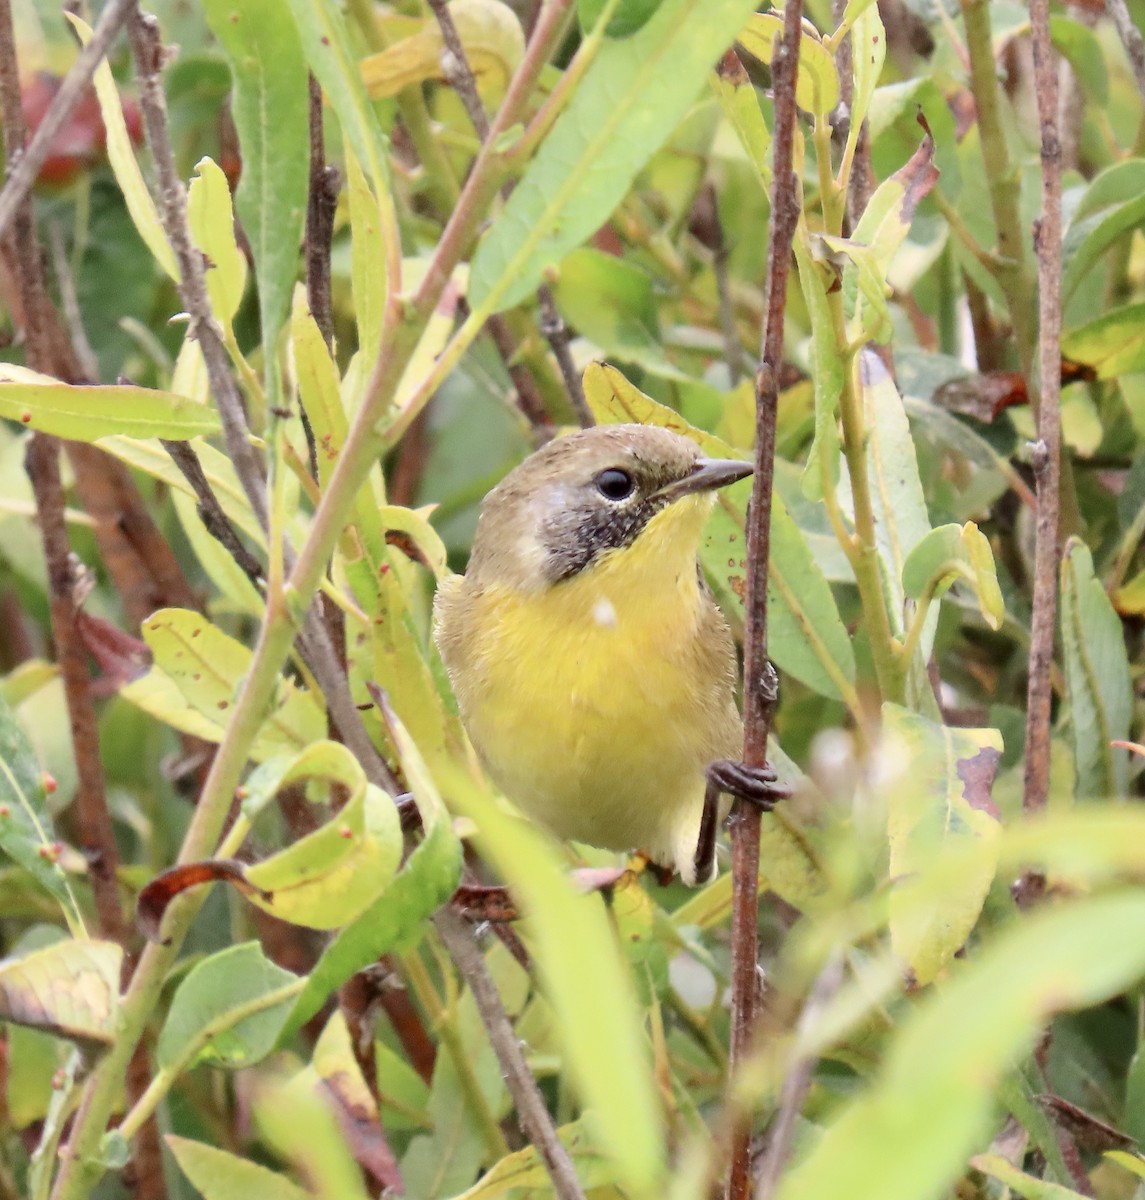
column 604, row 614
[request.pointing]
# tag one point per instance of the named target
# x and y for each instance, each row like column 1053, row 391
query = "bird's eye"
column 614, row 484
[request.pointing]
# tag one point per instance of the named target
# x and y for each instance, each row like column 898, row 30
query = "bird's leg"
column 755, row 785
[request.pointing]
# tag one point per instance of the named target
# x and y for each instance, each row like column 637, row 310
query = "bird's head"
column 581, row 500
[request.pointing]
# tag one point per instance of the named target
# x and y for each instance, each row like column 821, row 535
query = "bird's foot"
column 758, row 786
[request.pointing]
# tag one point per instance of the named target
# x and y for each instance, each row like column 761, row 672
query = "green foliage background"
column 921, row 1036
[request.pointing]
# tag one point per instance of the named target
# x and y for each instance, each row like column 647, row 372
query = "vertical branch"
column 531, row 1111
column 323, row 201
column 1047, row 449
column 760, row 691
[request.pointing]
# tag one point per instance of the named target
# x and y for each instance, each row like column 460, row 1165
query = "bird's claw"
column 755, row 785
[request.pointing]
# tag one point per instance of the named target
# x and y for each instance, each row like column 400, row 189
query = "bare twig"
column 323, row 201
column 211, row 511
column 1130, row 37
column 460, row 75
column 69, row 301
column 24, row 167
column 1047, row 449
column 760, row 693
column 531, row 1110
column 147, row 48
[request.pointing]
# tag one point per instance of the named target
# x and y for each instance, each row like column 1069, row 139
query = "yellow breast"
column 596, row 703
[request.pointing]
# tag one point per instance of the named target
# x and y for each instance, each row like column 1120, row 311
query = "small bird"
column 593, row 670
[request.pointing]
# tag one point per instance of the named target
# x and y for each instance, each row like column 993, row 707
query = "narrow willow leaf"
column 367, row 280
column 1098, row 684
column 931, row 1100
column 631, row 98
column 318, row 382
column 220, row 1175
column 85, row 414
column 1113, row 205
column 951, row 553
column 212, row 222
column 70, row 988
column 326, row 42
column 231, row 1007
column 901, row 519
column 938, row 795
column 121, row 155
column 828, row 373
column 868, row 52
column 270, row 103
column 736, row 94
column 490, row 34
column 817, row 84
column 26, row 833
column 152, row 459
column 1021, row 1184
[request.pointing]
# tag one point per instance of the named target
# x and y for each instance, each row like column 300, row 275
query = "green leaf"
column 627, row 17
column 331, row 876
column 940, row 799
column 586, row 981
column 1098, row 685
column 868, row 52
column 427, row 880
column 121, row 155
column 212, row 222
column 70, row 988
column 1019, row 1182
column 490, row 35
column 84, row 414
column 1113, row 205
column 1079, row 45
column 931, row 1101
column 817, row 84
column 1113, row 344
column 151, row 458
column 220, row 1175
column 228, row 1011
column 270, row 103
column 197, row 673
column 326, row 43
column 611, row 302
column 631, row 98
column 367, row 281
column 26, row 833
column 828, row 372
column 808, row 638
column 736, row 94
column 951, row 553
column 526, row 1169
column 318, row 383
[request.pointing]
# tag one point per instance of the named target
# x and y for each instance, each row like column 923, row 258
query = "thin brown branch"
column 211, row 511
column 460, row 75
column 1047, row 449
column 760, row 692
column 320, row 209
column 150, row 60
column 69, row 302
column 24, row 163
column 531, row 1110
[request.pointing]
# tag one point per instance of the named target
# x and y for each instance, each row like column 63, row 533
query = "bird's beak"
column 707, row 475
